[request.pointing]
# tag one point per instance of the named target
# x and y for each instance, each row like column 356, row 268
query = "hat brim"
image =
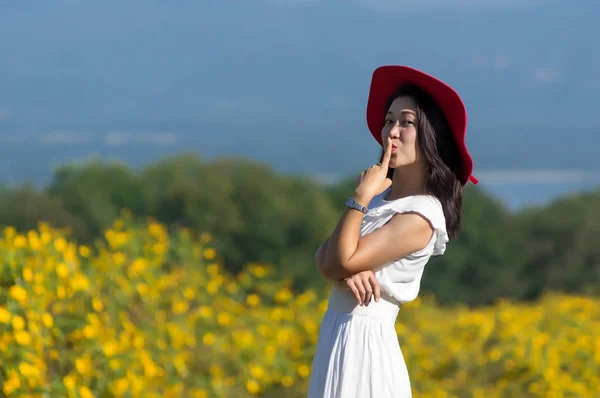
column 387, row 79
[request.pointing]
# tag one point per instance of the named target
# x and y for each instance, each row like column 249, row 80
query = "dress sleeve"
column 431, row 209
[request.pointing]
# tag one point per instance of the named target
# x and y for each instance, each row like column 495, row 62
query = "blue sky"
column 285, row 82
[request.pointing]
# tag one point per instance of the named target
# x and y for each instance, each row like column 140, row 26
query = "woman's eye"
column 388, row 121
column 407, row 122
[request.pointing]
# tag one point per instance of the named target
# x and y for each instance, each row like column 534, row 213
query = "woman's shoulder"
column 406, row 202
column 427, row 206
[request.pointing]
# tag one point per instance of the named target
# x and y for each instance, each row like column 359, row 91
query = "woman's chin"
column 398, row 163
column 395, row 163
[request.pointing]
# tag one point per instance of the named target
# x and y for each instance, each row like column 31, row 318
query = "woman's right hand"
column 365, row 287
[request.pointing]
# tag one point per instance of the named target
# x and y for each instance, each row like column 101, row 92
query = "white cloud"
column 545, row 75
column 501, row 61
column 507, row 177
column 159, row 138
column 594, row 84
column 5, row 114
column 63, row 137
column 498, row 61
column 326, row 178
column 10, row 138
column 117, row 138
column 479, row 59
column 537, row 176
column 426, row 5
column 292, row 3
column 120, row 138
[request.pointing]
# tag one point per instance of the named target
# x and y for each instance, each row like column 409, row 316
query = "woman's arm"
column 347, row 253
column 364, row 285
column 320, row 260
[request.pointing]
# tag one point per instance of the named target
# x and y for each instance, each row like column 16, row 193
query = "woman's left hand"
column 365, row 287
column 373, row 180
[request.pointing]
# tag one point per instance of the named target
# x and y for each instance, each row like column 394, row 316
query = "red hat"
column 387, row 79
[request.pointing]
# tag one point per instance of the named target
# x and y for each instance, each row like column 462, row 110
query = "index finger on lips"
column 388, row 154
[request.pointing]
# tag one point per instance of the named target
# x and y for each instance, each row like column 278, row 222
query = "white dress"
column 358, row 354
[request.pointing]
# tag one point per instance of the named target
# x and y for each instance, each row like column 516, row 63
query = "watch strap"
column 353, row 204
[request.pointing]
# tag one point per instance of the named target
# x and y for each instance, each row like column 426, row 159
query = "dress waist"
column 344, row 301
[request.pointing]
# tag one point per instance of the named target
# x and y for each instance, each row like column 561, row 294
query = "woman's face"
column 401, row 126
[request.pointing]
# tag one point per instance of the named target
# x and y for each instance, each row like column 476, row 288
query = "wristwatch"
column 353, row 204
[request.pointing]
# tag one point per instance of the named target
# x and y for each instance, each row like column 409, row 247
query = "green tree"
column 563, row 249
column 25, row 207
column 96, row 193
column 484, row 261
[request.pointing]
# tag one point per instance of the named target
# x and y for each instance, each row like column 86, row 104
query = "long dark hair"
column 441, row 155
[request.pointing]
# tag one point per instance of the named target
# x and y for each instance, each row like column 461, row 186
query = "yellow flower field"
column 148, row 314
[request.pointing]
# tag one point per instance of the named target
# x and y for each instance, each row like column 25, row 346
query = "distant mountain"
column 335, row 149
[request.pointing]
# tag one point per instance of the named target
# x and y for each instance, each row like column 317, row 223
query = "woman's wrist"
column 362, row 198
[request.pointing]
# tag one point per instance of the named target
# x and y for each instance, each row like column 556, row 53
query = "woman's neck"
column 407, row 182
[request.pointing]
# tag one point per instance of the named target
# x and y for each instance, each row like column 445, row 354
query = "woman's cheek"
column 409, row 136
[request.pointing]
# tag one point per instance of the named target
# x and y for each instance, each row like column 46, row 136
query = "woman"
column 404, row 210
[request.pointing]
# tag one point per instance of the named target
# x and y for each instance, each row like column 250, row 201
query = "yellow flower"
column 85, row 392
column 10, row 232
column 97, row 304
column 34, row 241
column 232, row 288
column 84, row 251
column 121, row 386
column 212, row 269
column 179, row 306
column 5, row 316
column 110, row 348
column 60, row 245
column 83, row 365
column 200, row 393
column 252, row 386
column 156, row 230
column 26, row 369
column 89, row 332
column 189, row 293
column 259, row 271
column 62, row 271
column 80, row 282
column 209, row 253
column 22, row 337
column 303, row 371
column 257, row 371
column 208, row 339
column 18, row 293
column 283, row 295
column 47, row 320
column 20, row 241
column 205, row 312
column 138, row 266
column 114, row 364
column 224, row 318
column 27, row 274
column 12, row 384
column 253, row 300
column 18, row 323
